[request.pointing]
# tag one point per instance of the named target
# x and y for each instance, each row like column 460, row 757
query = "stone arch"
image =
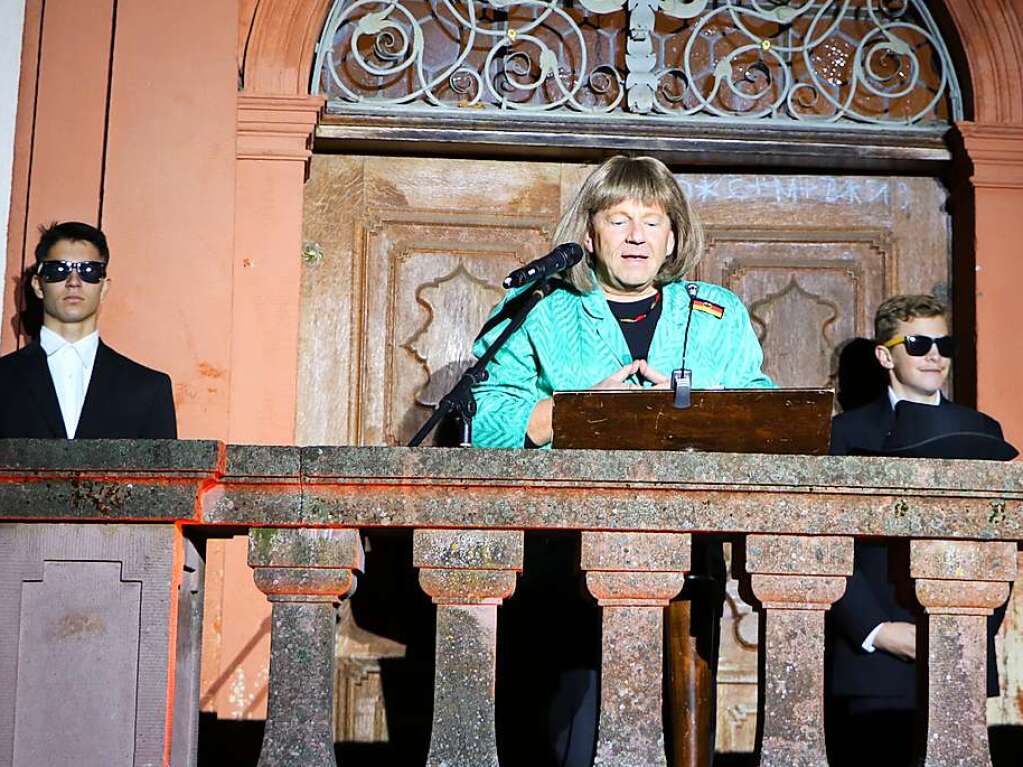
column 278, row 52
column 991, row 34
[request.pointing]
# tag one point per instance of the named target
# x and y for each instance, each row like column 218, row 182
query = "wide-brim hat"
column 945, row 431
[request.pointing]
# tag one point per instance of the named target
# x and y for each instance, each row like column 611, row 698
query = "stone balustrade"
column 100, row 564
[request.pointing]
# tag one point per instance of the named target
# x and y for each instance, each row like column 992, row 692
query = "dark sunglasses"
column 58, row 271
column 918, row 346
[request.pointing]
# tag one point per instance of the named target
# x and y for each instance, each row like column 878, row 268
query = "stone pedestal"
column 468, row 573
column 959, row 583
column 87, row 615
column 796, row 579
column 633, row 576
column 304, row 573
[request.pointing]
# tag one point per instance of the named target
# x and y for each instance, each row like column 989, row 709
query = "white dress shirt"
column 868, row 643
column 71, row 370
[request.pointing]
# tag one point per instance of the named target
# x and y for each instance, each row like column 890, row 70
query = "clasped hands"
column 617, row 380
column 539, row 430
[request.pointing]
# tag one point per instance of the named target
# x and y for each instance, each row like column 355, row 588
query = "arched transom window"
column 840, row 63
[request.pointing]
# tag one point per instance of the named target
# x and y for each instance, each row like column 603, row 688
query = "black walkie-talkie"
column 682, row 378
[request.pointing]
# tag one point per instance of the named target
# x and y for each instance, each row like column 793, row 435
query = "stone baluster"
column 796, row 579
column 959, row 583
column 633, row 577
column 468, row 573
column 304, row 573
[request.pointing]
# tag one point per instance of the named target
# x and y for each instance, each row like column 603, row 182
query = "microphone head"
column 563, row 257
column 573, row 253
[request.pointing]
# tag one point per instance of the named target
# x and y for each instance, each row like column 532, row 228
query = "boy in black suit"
column 68, row 384
column 871, row 678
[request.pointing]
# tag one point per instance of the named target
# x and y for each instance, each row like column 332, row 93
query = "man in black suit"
column 871, row 678
column 68, row 384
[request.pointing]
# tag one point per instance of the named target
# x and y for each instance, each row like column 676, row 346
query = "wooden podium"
column 718, row 421
column 726, row 420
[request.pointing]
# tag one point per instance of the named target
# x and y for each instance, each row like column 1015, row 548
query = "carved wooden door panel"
column 404, row 259
column 407, row 259
column 812, row 257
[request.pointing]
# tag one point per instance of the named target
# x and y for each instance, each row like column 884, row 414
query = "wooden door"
column 405, row 257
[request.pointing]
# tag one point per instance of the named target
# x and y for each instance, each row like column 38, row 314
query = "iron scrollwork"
column 845, row 63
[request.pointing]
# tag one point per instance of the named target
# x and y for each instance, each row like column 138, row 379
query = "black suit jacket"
column 876, row 593
column 124, row 400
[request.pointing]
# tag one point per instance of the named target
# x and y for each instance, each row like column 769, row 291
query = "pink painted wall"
column 162, row 189
column 267, row 286
column 169, row 199
column 998, row 291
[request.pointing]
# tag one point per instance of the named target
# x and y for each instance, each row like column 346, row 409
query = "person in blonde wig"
column 640, row 178
column 620, row 319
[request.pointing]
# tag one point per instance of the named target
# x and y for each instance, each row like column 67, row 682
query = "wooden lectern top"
column 719, row 420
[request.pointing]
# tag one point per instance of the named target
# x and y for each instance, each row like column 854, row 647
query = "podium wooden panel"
column 719, row 420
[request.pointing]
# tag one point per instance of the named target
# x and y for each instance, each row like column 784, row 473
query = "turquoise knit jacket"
column 572, row 341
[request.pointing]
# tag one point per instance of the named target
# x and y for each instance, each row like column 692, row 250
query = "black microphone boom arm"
column 460, row 399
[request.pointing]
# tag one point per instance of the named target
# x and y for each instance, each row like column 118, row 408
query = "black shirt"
column 639, row 333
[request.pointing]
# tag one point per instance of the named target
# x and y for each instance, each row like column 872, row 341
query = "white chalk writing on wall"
column 842, row 190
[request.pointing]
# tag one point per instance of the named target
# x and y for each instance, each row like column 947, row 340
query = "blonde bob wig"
column 632, row 178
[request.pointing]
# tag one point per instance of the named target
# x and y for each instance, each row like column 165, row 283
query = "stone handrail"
column 89, row 502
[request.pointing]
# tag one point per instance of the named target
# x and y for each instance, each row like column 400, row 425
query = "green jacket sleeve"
column 507, row 398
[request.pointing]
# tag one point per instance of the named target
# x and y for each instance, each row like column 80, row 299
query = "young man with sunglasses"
column 69, row 384
column 871, row 678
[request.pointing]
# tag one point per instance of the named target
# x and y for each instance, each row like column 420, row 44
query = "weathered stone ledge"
column 212, row 484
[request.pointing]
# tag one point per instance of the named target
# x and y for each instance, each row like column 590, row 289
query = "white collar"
column 85, row 348
column 894, row 398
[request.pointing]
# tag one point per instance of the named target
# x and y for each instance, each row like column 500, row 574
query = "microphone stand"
column 460, row 400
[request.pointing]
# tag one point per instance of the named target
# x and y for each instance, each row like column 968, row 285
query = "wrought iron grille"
column 842, row 63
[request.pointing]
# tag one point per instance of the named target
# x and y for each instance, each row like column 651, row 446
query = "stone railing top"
column 118, row 456
column 208, row 483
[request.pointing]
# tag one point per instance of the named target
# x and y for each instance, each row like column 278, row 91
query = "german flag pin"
column 702, row 305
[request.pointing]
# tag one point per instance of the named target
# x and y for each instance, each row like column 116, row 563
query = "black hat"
column 945, row 431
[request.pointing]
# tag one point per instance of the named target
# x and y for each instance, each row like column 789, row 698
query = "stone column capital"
column 963, row 560
column 467, row 587
column 798, row 555
column 305, row 565
column 795, row 592
column 962, row 577
column 300, row 584
column 467, row 567
column 634, row 589
column 636, row 552
column 798, row 573
column 274, row 127
column 637, row 569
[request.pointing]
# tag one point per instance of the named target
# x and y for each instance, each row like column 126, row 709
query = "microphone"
column 682, row 379
column 561, row 258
